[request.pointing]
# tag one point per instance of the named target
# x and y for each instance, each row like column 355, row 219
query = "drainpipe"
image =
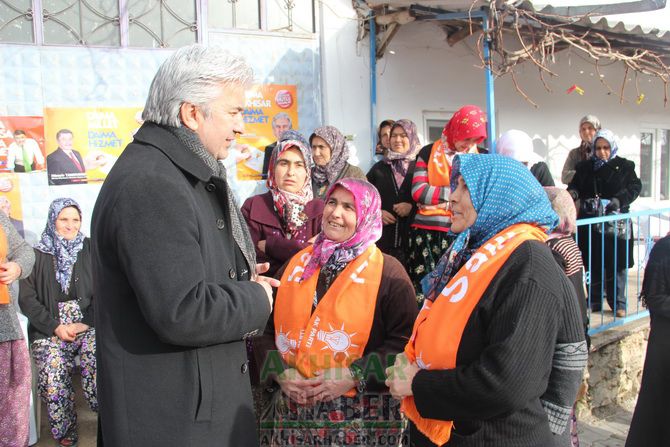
column 373, row 83
column 490, row 89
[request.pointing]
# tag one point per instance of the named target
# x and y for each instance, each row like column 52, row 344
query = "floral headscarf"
column 608, row 135
column 293, row 134
column 503, row 193
column 564, row 207
column 334, row 256
column 400, row 162
column 339, row 154
column 65, row 252
column 290, row 205
column 468, row 122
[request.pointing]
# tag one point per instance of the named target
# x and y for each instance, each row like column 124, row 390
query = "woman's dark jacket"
column 615, row 179
column 40, row 293
column 395, row 237
column 265, row 225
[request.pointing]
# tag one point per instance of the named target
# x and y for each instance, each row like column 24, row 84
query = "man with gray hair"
column 281, row 122
column 177, row 287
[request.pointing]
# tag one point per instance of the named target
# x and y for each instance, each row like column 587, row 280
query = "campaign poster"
column 263, row 103
column 22, row 148
column 10, row 200
column 83, row 143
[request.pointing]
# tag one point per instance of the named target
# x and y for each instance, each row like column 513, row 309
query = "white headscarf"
column 518, row 145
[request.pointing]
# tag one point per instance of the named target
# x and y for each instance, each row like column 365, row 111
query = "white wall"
column 425, row 74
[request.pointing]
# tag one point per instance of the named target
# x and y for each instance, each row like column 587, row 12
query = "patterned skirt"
column 425, row 249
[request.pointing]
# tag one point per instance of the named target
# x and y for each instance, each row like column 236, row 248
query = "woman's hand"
column 388, row 218
column 439, row 206
column 399, row 377
column 65, row 332
column 261, row 246
column 78, row 328
column 9, row 271
column 402, row 209
column 294, row 385
column 330, row 384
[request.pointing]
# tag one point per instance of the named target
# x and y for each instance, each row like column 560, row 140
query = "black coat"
column 40, row 293
column 615, row 179
column 174, row 305
column 395, row 237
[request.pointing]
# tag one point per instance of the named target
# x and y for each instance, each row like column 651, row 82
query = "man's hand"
column 265, row 281
column 9, row 271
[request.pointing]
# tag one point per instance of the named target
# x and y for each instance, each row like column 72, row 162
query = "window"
column 16, row 21
column 161, row 23
column 81, row 22
column 434, row 129
column 655, row 163
column 296, row 16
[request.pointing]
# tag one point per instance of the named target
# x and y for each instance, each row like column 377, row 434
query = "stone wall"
column 615, row 369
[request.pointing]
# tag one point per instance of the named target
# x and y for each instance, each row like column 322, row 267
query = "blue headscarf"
column 608, row 135
column 503, row 193
column 64, row 251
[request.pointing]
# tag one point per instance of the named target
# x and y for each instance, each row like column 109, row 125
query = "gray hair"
column 195, row 74
column 282, row 115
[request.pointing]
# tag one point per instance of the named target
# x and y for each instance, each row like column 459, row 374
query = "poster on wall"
column 84, row 143
column 10, row 200
column 265, row 103
column 22, row 144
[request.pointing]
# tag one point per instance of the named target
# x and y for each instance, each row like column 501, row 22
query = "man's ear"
column 189, row 115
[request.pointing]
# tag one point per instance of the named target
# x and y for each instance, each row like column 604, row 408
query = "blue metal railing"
column 604, row 240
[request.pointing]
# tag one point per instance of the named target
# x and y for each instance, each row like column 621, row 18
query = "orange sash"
column 4, row 289
column 438, row 328
column 337, row 332
column 439, row 173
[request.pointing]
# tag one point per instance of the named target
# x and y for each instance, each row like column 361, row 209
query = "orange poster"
column 84, row 143
column 22, row 143
column 10, row 199
column 264, row 103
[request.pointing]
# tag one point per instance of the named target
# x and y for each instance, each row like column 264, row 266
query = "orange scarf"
column 4, row 289
column 337, row 332
column 439, row 173
column 438, row 328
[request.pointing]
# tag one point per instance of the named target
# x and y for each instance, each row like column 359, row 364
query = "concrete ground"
column 610, row 431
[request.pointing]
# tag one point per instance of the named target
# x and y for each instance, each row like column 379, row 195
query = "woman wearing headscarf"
column 392, row 177
column 383, row 139
column 566, row 252
column 429, row 235
column 499, row 315
column 57, row 298
column 649, row 425
column 518, row 145
column 605, row 176
column 588, row 126
column 284, row 220
column 17, row 259
column 343, row 311
column 330, row 152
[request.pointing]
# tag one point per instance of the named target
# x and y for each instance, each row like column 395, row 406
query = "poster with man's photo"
column 22, row 144
column 84, row 143
column 270, row 109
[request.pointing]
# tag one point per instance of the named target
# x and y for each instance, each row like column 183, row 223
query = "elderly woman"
column 17, row 261
column 649, row 425
column 605, row 176
column 499, row 315
column 342, row 312
column 330, row 152
column 392, row 177
column 518, row 145
column 286, row 218
column 588, row 126
column 57, row 298
column 429, row 236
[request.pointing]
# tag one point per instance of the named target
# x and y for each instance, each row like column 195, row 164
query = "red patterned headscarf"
column 468, row 122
